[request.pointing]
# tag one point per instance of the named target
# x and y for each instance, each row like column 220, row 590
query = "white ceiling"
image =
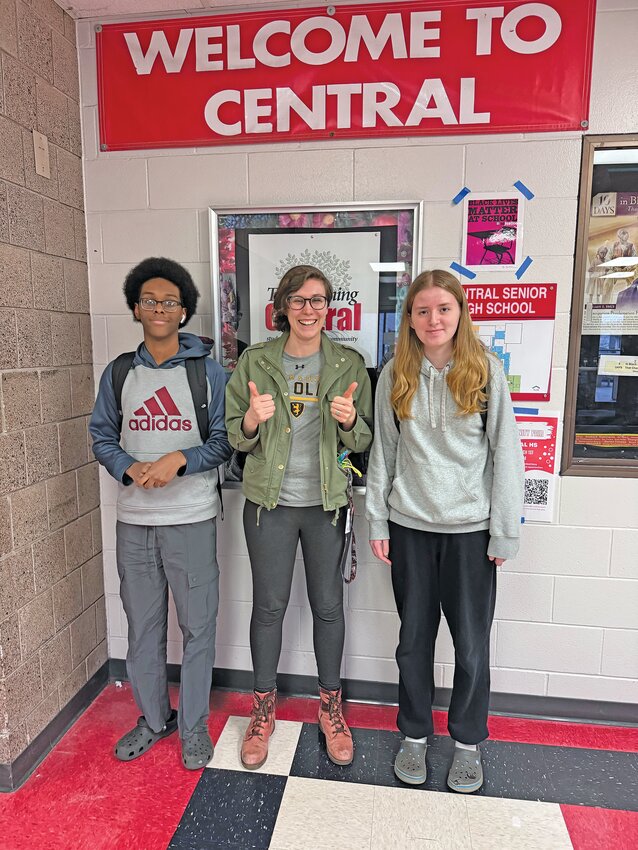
column 121, row 8
column 139, row 8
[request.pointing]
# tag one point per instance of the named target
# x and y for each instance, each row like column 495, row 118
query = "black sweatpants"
column 430, row 572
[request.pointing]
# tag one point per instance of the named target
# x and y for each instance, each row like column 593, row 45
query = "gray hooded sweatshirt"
column 159, row 417
column 444, row 472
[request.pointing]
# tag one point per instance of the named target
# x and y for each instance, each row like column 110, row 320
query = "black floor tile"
column 311, row 760
column 572, row 775
column 600, row 778
column 230, row 810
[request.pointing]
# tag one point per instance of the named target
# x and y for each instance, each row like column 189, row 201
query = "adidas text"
column 160, row 423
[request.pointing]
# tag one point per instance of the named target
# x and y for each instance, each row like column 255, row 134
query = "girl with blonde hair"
column 444, row 501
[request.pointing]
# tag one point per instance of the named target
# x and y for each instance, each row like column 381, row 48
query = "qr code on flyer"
column 536, row 491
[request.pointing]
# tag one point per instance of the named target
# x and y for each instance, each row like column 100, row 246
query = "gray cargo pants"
column 150, row 559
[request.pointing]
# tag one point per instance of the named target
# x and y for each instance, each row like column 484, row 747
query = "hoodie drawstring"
column 431, row 399
column 443, row 394
column 443, row 398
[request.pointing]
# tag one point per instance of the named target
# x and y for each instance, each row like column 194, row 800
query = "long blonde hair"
column 469, row 374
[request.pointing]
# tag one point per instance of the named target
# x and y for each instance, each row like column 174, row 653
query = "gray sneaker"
column 409, row 764
column 466, row 772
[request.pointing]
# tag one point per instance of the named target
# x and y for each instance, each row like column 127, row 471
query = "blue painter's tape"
column 462, row 270
column 522, row 188
column 458, row 198
column 520, row 271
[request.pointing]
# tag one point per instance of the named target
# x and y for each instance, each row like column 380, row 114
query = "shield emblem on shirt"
column 297, row 408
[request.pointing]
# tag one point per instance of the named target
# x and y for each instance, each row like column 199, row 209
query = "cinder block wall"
column 566, row 617
column 52, row 613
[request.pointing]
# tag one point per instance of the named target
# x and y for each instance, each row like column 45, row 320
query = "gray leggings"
column 272, row 546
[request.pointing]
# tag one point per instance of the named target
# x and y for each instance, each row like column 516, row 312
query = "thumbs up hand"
column 342, row 408
column 262, row 408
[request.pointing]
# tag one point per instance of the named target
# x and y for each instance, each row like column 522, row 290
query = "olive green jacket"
column 268, row 450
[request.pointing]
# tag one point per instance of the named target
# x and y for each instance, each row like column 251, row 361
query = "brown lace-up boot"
column 254, row 748
column 334, row 727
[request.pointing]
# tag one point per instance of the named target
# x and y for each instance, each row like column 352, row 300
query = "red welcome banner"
column 391, row 69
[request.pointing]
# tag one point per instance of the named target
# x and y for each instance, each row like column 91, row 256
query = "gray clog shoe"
column 197, row 750
column 409, row 764
column 466, row 772
column 141, row 738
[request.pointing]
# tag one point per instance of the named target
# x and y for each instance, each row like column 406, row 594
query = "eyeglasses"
column 168, row 304
column 317, row 302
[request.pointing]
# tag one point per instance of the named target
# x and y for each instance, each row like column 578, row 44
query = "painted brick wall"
column 566, row 616
column 52, row 607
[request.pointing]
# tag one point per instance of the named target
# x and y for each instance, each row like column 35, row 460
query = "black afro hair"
column 168, row 270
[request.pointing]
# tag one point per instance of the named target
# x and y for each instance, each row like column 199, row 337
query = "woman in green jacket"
column 294, row 404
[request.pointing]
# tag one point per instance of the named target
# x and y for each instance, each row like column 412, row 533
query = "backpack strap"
column 121, row 367
column 196, row 374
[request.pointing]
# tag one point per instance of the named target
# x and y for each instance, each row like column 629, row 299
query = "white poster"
column 525, row 350
column 345, row 258
column 515, row 321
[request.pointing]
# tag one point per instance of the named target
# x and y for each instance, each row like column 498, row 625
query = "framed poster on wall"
column 369, row 252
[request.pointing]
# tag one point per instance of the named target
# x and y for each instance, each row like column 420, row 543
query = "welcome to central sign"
column 373, row 70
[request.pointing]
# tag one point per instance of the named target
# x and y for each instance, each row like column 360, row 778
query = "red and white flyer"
column 538, row 430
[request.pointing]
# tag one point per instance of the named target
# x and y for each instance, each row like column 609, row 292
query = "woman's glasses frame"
column 298, row 302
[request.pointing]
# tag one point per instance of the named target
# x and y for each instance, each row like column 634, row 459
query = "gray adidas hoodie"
column 444, row 472
column 159, row 417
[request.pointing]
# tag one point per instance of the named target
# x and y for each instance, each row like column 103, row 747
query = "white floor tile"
column 281, row 751
column 411, row 820
column 319, row 813
column 498, row 824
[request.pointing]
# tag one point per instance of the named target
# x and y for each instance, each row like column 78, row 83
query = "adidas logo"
column 159, row 413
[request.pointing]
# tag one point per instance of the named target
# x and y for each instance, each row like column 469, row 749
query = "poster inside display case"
column 369, row 252
column 602, row 403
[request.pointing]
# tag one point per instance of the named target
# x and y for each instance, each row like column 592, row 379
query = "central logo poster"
column 349, row 260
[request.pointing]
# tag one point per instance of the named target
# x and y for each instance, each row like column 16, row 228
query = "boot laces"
column 262, row 707
column 335, row 713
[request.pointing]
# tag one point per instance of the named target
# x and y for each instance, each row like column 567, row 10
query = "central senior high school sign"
column 371, row 70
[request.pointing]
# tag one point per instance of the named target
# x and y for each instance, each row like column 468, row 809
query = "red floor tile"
column 561, row 734
column 82, row 797
column 601, row 829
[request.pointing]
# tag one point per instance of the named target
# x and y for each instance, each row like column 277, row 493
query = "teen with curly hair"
column 166, row 506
